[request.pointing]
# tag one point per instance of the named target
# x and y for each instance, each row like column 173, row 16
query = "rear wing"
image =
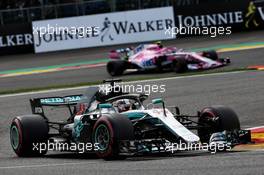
column 38, row 103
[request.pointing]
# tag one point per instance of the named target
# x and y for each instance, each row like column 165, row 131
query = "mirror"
column 157, row 101
column 160, row 101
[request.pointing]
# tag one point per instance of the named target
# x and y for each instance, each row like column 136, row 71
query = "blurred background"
column 21, row 11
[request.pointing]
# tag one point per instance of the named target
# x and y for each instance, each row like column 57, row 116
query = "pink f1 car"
column 156, row 57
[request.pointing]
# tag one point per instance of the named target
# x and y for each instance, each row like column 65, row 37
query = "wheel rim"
column 102, row 137
column 14, row 136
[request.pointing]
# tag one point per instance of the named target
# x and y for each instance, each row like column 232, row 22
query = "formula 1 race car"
column 117, row 125
column 157, row 57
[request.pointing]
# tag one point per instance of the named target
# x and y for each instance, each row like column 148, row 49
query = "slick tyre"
column 212, row 54
column 216, row 119
column 116, row 68
column 179, row 65
column 108, row 132
column 27, row 131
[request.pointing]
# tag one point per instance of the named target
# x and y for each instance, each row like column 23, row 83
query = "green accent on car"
column 51, row 100
column 72, row 99
column 102, row 137
column 60, row 100
column 14, row 137
column 105, row 105
column 135, row 115
column 78, row 128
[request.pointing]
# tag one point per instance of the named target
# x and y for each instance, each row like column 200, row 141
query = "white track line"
column 257, row 127
column 130, row 82
column 44, row 165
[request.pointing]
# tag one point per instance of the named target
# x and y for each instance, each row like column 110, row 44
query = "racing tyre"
column 211, row 54
column 26, row 132
column 108, row 131
column 158, row 63
column 115, row 68
column 217, row 118
column 179, row 65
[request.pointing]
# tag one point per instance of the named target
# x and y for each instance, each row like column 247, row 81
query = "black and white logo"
column 105, row 30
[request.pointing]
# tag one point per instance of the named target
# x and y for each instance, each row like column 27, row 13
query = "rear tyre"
column 212, row 54
column 159, row 61
column 27, row 131
column 179, row 65
column 115, row 68
column 218, row 118
column 108, row 132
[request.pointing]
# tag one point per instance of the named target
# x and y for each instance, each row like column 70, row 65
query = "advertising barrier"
column 238, row 15
column 211, row 18
column 16, row 38
column 102, row 30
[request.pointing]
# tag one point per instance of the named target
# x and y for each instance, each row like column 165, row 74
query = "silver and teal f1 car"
column 118, row 124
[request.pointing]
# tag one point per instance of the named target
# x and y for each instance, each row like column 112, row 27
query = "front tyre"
column 27, row 131
column 212, row 54
column 108, row 132
column 116, row 68
column 217, row 119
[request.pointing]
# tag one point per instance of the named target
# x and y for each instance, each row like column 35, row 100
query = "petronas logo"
column 251, row 15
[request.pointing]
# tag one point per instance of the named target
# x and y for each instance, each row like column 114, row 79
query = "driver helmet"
column 123, row 105
column 159, row 44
